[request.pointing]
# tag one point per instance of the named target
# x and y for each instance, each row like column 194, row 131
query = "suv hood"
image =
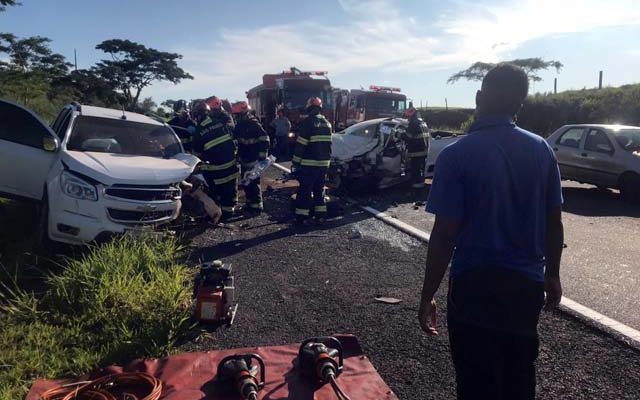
column 110, row 169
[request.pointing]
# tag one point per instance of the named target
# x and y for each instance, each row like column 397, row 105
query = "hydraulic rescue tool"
column 215, row 293
column 321, row 360
column 238, row 374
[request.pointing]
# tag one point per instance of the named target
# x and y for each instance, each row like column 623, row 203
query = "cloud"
column 381, row 36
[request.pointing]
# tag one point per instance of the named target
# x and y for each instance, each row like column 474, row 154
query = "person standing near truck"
column 253, row 146
column 214, row 143
column 310, row 163
column 497, row 199
column 182, row 119
column 417, row 140
column 282, row 126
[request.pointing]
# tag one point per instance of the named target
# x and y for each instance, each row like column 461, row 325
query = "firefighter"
column 253, row 145
column 310, row 163
column 182, row 119
column 214, row 144
column 416, row 139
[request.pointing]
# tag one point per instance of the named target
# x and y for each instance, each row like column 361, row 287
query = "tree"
column 28, row 70
column 168, row 103
column 531, row 66
column 31, row 54
column 147, row 105
column 133, row 67
column 5, row 3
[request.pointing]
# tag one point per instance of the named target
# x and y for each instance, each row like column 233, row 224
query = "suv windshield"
column 629, row 139
column 105, row 135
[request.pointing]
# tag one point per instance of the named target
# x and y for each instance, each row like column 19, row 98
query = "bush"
column 544, row 113
column 444, row 119
column 127, row 299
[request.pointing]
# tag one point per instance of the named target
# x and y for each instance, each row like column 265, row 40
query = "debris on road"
column 388, row 300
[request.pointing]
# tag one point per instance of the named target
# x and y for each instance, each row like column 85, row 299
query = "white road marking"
column 599, row 320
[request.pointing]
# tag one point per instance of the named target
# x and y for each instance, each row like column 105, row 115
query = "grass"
column 127, row 299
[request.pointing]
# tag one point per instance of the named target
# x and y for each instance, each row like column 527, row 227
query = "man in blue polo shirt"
column 497, row 200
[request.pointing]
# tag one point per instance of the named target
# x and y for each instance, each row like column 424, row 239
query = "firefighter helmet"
column 200, row 110
column 214, row 103
column 180, row 106
column 240, row 107
column 314, row 102
column 410, row 112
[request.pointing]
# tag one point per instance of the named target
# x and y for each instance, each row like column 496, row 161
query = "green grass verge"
column 126, row 299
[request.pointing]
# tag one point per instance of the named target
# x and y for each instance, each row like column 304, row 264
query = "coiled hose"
column 123, row 386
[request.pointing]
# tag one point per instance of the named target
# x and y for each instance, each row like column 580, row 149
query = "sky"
column 412, row 44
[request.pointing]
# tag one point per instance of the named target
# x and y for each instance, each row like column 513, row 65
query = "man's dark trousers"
column 492, row 319
column 311, row 192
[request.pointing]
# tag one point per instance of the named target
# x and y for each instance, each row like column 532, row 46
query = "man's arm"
column 441, row 245
column 554, row 244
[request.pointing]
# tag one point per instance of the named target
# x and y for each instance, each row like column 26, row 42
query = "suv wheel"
column 630, row 187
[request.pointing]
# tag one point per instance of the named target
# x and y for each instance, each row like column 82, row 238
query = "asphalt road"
column 601, row 264
column 295, row 283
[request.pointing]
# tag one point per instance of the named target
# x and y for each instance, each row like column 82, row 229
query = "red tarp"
column 189, row 376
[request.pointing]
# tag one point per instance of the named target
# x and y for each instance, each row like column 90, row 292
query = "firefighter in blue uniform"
column 311, row 160
column 214, row 143
column 253, row 145
column 416, row 139
column 182, row 119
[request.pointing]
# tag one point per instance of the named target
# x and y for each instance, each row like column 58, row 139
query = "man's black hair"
column 504, row 89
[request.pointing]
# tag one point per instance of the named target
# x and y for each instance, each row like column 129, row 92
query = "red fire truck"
column 290, row 90
column 361, row 105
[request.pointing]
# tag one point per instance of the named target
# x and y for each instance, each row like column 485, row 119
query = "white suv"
column 95, row 171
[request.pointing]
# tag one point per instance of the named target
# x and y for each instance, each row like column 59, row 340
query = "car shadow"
column 594, row 202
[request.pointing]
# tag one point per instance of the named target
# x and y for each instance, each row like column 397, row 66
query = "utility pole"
column 446, row 104
column 600, row 81
column 421, row 104
column 555, row 85
column 75, row 59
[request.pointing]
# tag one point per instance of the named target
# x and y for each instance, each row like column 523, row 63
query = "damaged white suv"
column 95, row 171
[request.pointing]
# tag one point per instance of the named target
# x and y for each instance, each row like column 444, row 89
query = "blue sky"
column 413, row 44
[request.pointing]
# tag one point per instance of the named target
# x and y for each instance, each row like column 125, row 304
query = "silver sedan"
column 607, row 156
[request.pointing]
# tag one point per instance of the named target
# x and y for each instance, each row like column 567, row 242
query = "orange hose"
column 111, row 387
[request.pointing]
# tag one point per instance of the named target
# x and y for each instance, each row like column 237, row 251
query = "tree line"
column 33, row 75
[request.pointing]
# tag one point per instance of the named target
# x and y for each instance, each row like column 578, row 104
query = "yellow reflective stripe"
column 314, row 163
column 320, row 138
column 218, row 167
column 263, row 139
column 417, row 154
column 228, row 209
column 227, row 179
column 217, row 141
column 320, row 208
column 302, row 211
column 256, row 205
column 206, row 122
column 296, row 159
column 302, row 141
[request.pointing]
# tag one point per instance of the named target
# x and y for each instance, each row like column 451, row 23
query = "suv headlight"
column 75, row 187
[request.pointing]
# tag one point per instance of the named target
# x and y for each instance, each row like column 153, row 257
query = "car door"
column 598, row 159
column 567, row 149
column 28, row 148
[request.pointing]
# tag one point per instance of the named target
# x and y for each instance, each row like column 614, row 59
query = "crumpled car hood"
column 110, row 169
column 345, row 147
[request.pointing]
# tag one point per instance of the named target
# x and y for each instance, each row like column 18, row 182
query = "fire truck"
column 357, row 105
column 289, row 91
